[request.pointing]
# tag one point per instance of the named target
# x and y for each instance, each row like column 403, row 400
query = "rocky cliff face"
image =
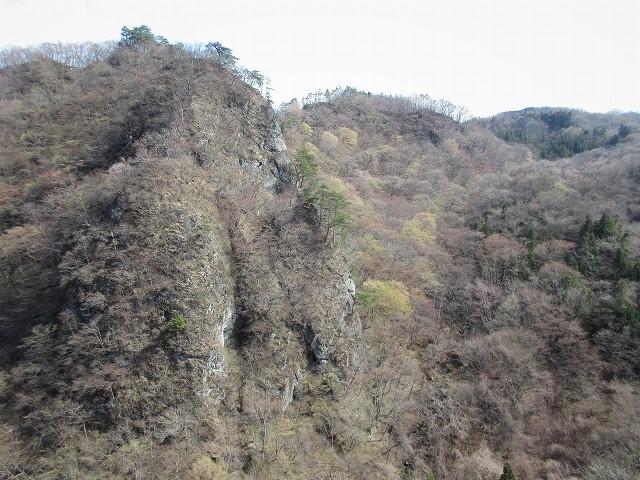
column 170, row 307
column 191, row 282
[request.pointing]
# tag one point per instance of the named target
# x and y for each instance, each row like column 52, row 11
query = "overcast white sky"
column 487, row 55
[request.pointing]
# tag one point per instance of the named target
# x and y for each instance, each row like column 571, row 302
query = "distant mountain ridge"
column 559, row 133
column 194, row 285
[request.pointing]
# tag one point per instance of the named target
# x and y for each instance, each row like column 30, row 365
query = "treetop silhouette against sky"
column 489, row 56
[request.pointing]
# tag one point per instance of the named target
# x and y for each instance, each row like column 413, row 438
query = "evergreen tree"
column 135, row 36
column 485, row 227
column 587, row 256
column 557, row 120
column 305, row 164
column 623, row 262
column 624, row 130
column 225, row 55
column 507, row 473
column 608, row 227
column 330, row 204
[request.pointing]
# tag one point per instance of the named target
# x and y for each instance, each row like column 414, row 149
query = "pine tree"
column 608, row 227
column 306, row 165
column 587, row 258
column 136, row 35
column 507, row 473
column 224, row 54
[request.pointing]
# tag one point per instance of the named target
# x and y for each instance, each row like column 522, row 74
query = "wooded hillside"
column 360, row 286
column 511, row 281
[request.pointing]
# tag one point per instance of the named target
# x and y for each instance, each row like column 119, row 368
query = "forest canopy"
column 196, row 285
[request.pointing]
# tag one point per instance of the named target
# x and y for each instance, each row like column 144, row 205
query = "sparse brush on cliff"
column 173, row 303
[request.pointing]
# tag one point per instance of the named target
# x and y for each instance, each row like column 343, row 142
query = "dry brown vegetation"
column 173, row 306
column 523, row 317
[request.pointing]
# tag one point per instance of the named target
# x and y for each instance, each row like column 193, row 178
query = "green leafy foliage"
column 176, row 323
column 623, row 132
column 224, row 54
column 386, row 299
column 330, row 204
column 141, row 185
column 306, row 128
column 421, row 228
column 591, row 252
column 306, row 164
column 628, row 313
column 507, row 473
column 136, row 35
column 348, row 137
column 607, row 228
column 557, row 120
column 558, row 133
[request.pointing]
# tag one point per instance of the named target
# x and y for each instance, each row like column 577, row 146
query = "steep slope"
column 561, row 132
column 169, row 296
column 394, row 295
column 506, row 287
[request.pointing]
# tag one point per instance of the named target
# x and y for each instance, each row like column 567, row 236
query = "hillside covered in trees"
column 197, row 285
